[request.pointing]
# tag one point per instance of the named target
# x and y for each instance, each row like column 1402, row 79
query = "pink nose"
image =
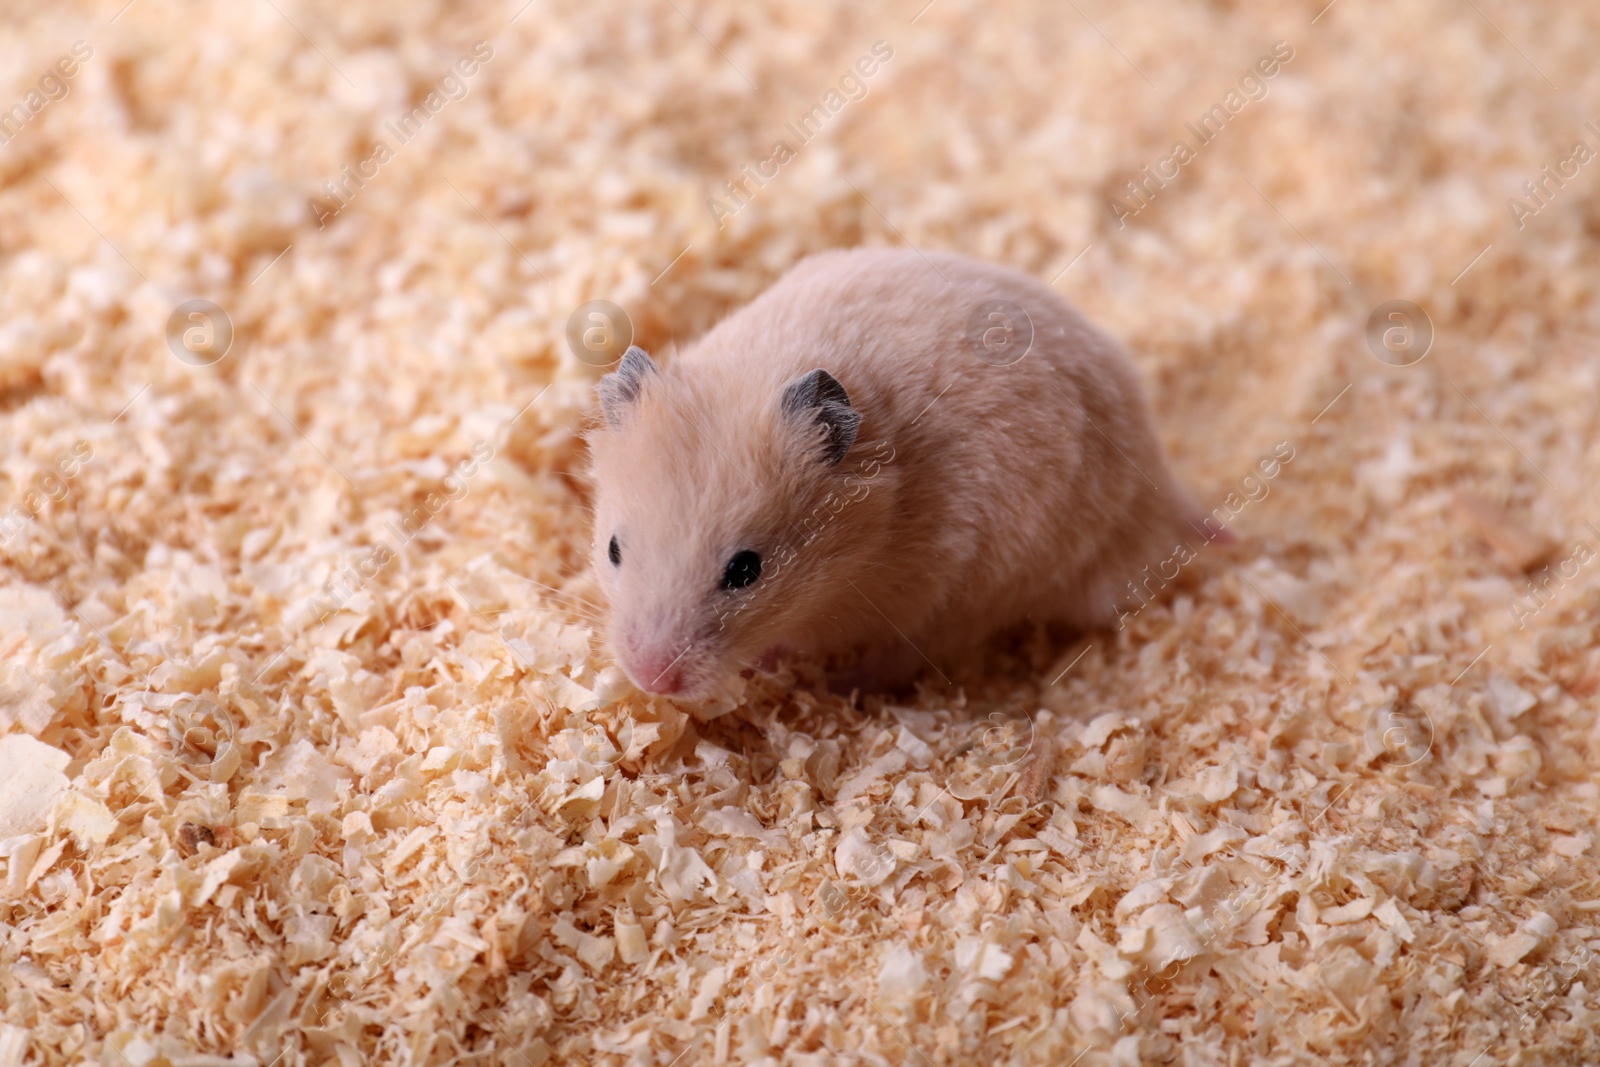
column 658, row 671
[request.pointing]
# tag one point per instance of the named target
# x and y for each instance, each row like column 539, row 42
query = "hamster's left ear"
column 620, row 389
column 818, row 395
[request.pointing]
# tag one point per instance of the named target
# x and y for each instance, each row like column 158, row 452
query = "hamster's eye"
column 743, row 568
column 614, row 551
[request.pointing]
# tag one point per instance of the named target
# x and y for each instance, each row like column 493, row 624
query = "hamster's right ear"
column 620, row 389
column 818, row 396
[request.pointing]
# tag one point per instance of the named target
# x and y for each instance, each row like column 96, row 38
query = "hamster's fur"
column 904, row 505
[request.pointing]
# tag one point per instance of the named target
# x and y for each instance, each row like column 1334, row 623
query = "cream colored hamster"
column 881, row 461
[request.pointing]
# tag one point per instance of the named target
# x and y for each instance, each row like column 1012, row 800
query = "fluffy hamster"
column 884, row 458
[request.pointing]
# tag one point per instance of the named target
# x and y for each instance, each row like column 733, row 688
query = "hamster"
column 881, row 461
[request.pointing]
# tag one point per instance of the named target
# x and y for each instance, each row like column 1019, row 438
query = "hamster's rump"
column 1014, row 470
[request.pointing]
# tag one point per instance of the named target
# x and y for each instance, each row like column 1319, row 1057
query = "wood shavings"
column 310, row 748
column 901, row 976
column 85, row 818
column 1532, row 933
column 30, row 782
column 856, row 856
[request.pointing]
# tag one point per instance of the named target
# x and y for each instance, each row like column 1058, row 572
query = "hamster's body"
column 978, row 486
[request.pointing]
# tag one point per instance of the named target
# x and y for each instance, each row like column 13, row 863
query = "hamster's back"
column 1027, row 461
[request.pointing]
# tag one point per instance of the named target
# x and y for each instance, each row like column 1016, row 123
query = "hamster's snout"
column 656, row 670
column 659, row 658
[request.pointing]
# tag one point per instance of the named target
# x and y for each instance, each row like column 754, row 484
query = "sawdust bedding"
column 311, row 754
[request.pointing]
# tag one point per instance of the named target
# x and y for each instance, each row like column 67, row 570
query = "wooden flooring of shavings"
column 1332, row 801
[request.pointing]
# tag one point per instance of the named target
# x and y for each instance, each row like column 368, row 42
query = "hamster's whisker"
column 573, row 597
column 576, row 607
column 586, row 616
column 673, row 664
column 580, row 613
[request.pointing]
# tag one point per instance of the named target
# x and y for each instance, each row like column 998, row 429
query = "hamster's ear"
column 818, row 396
column 621, row 388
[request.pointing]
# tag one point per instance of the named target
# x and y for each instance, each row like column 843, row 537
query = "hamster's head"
column 706, row 540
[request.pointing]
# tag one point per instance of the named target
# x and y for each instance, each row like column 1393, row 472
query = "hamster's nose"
column 658, row 671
